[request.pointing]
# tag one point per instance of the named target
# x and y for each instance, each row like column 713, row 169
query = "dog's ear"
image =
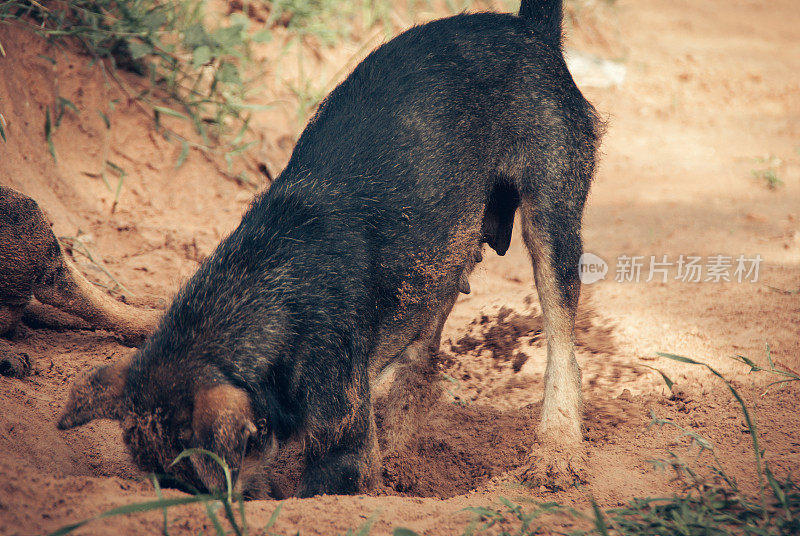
column 222, row 422
column 97, row 395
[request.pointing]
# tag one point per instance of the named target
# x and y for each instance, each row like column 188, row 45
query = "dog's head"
column 216, row 417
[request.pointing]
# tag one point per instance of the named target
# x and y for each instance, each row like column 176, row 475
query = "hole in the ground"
column 457, row 448
column 454, row 450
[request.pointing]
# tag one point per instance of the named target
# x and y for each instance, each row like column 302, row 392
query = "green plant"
column 194, row 71
column 230, row 502
column 768, row 172
column 193, row 67
column 326, row 22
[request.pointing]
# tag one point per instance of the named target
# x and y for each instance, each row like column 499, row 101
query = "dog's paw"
column 16, row 365
column 555, row 469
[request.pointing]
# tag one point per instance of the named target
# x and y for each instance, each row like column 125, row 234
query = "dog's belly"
column 423, row 302
column 397, row 334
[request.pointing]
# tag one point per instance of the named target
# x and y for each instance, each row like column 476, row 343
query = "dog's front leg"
column 416, row 389
column 341, row 451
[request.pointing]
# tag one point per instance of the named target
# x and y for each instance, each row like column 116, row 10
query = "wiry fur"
column 353, row 258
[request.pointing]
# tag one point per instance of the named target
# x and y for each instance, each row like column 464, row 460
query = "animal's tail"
column 546, row 16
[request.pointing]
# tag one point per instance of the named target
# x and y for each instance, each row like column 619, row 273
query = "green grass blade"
column 231, row 517
column 48, row 133
column 272, row 519
column 212, row 515
column 751, row 425
column 508, row 504
column 227, row 500
column 666, row 379
column 367, row 526
column 402, row 531
column 749, row 362
column 242, row 516
column 105, row 119
column 66, row 103
column 170, row 112
column 680, row 358
column 183, row 155
column 776, row 487
column 157, row 487
column 769, row 356
column 117, row 169
column 225, row 469
column 599, row 519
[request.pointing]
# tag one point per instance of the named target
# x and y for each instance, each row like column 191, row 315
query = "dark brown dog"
column 352, row 261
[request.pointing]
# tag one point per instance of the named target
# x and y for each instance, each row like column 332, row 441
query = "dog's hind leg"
column 551, row 227
column 555, row 247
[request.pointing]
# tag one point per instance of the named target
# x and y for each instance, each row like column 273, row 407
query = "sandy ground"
column 711, row 88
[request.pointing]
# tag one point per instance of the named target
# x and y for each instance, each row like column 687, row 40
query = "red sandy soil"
column 711, row 86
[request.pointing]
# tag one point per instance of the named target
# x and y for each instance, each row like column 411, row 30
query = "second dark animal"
column 33, row 264
column 353, row 259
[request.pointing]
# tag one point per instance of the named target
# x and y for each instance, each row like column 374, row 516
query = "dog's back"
column 436, row 121
column 431, row 142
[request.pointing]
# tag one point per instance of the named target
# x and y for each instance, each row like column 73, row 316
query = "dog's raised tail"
column 546, row 16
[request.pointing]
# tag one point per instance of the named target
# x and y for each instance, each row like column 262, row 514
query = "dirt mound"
column 458, row 448
column 455, row 450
